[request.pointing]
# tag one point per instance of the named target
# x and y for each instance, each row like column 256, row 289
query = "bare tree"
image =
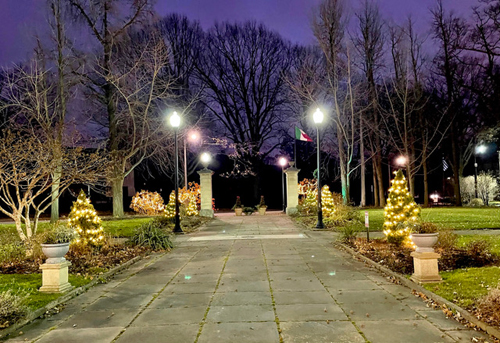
column 370, row 44
column 329, row 25
column 108, row 21
column 242, row 71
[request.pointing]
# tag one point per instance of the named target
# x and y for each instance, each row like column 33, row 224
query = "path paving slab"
column 241, row 313
column 303, row 297
column 182, row 333
column 408, row 331
column 239, row 333
column 81, row 335
column 242, row 298
column 176, row 300
column 313, row 332
column 307, row 312
column 177, row 315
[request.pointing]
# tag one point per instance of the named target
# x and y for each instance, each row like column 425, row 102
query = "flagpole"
column 295, row 152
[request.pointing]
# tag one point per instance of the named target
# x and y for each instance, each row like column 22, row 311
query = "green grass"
column 465, row 286
column 28, row 284
column 123, row 227
column 456, row 218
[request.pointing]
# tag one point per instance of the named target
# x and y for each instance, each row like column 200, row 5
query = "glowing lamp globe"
column 318, row 116
column 283, row 161
column 175, row 120
column 481, row 149
column 401, row 160
column 205, row 159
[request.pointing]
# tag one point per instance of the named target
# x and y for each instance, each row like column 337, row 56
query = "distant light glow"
column 401, row 160
column 187, row 277
column 331, row 273
column 481, row 149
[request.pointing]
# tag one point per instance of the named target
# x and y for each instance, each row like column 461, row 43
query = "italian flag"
column 301, row 135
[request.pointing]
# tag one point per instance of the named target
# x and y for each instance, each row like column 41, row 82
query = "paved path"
column 248, row 279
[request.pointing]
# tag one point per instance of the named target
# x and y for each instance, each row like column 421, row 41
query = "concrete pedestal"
column 292, row 190
column 425, row 265
column 206, row 209
column 55, row 277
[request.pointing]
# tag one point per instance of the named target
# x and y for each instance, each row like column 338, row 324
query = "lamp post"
column 479, row 149
column 283, row 162
column 318, row 119
column 192, row 136
column 175, row 122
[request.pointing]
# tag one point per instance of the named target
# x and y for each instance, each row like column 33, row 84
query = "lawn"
column 115, row 227
column 494, row 240
column 28, row 285
column 456, row 218
column 465, row 286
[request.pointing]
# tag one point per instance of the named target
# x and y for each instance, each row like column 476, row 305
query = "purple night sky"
column 21, row 19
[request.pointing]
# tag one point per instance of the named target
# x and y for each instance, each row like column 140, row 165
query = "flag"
column 301, row 135
column 445, row 165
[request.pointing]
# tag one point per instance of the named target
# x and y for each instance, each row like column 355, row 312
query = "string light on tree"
column 169, row 211
column 84, row 219
column 327, row 203
column 400, row 209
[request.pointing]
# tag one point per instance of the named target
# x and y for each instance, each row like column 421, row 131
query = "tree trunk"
column 375, row 185
column 380, row 180
column 19, row 227
column 117, row 188
column 363, row 168
column 343, row 166
column 54, row 208
column 426, row 181
column 456, row 167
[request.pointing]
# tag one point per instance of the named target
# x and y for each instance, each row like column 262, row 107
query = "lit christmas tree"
column 192, row 208
column 169, row 211
column 327, row 204
column 400, row 209
column 86, row 222
column 310, row 202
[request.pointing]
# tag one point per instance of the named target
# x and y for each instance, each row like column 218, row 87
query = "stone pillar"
column 425, row 266
column 206, row 192
column 292, row 190
column 55, row 277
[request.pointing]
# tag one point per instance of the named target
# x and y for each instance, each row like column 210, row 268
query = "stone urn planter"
column 424, row 241
column 55, row 252
column 262, row 211
column 238, row 211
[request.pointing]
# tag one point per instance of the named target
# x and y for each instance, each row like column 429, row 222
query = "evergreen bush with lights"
column 327, row 204
column 169, row 210
column 308, row 204
column 148, row 203
column 84, row 219
column 401, row 212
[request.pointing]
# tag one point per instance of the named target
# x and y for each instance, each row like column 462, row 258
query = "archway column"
column 292, row 190
column 206, row 193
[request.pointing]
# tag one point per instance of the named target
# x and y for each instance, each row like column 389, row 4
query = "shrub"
column 477, row 202
column 425, row 227
column 151, row 235
column 308, row 201
column 12, row 308
column 262, row 203
column 11, row 249
column 476, row 253
column 447, row 240
column 349, row 232
column 490, row 304
column 248, row 210
column 164, row 222
column 59, row 233
column 148, row 203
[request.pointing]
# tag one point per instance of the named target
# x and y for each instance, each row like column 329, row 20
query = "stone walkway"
column 248, row 279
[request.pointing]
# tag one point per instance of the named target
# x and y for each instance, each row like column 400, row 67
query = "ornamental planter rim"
column 424, row 241
column 55, row 252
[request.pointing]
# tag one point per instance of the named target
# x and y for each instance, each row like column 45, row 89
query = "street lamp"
column 479, row 149
column 205, row 159
column 283, row 162
column 318, row 119
column 175, row 122
column 192, row 136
